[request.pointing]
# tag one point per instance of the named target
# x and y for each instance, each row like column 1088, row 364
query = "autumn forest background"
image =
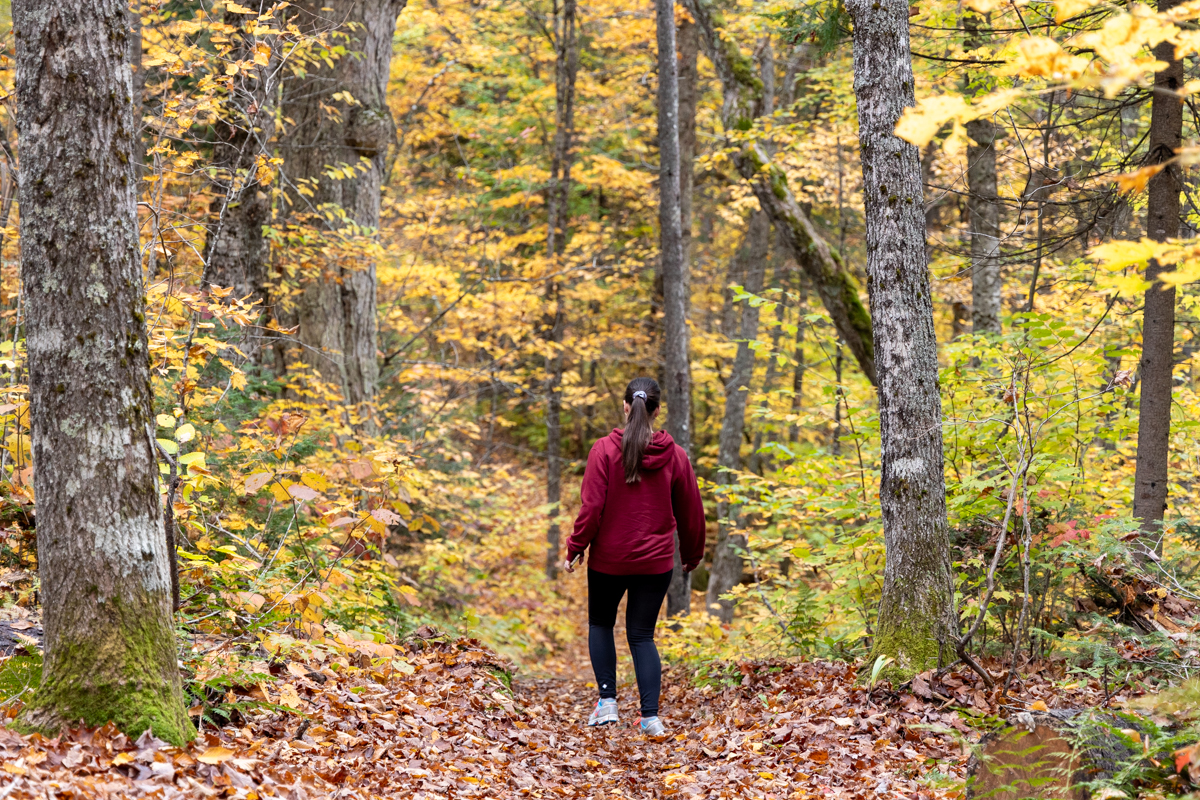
column 398, row 262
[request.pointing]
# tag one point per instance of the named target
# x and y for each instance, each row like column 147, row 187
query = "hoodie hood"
column 658, row 453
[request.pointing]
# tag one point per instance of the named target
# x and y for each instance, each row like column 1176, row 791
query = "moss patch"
column 124, row 673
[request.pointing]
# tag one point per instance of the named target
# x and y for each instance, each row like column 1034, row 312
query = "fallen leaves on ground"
column 451, row 728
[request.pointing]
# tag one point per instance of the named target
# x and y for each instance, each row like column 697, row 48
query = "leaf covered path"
column 450, row 729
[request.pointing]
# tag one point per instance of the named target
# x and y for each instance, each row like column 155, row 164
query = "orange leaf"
column 1183, row 757
column 215, row 755
column 1134, row 182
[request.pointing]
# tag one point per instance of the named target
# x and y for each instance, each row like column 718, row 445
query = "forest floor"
column 449, row 717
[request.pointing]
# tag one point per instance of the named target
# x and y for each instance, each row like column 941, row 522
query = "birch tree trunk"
column 235, row 250
column 1158, row 316
column 337, row 308
column 728, row 563
column 559, row 192
column 102, row 553
column 917, row 624
column 676, row 359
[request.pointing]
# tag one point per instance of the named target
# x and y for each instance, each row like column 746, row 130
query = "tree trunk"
column 336, row 310
column 679, row 593
column 728, row 562
column 917, row 625
column 1158, row 316
column 983, row 211
column 742, row 104
column 102, row 552
column 566, row 60
column 554, row 430
column 676, row 359
column 689, row 50
column 798, row 355
column 235, row 251
column 983, row 208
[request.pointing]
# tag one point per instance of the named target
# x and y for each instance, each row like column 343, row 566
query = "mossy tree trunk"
column 742, row 103
column 102, row 554
column 336, row 309
column 917, row 625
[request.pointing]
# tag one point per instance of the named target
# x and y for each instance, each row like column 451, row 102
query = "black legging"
column 646, row 593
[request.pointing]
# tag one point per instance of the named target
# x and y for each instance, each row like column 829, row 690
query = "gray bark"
column 798, row 356
column 983, row 207
column 556, row 239
column 679, row 593
column 728, row 563
column 689, row 50
column 741, row 105
column 677, row 388
column 983, row 211
column 917, row 624
column 235, row 250
column 337, row 309
column 102, row 551
column 1158, row 316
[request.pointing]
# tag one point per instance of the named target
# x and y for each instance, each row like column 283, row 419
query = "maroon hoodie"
column 631, row 526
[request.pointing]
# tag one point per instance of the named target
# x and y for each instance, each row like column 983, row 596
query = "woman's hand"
column 569, row 565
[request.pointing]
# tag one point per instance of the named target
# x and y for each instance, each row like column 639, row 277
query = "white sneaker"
column 604, row 712
column 652, row 726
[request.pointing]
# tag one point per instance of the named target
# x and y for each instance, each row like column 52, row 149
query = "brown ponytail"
column 642, row 395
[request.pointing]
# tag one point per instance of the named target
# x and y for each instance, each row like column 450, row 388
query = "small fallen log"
column 1051, row 754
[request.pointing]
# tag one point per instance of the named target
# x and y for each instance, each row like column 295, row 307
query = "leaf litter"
column 440, row 721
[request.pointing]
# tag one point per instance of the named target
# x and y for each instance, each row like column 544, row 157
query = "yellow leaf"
column 281, row 494
column 239, row 9
column 262, row 54
column 1038, row 705
column 185, row 432
column 165, row 421
column 215, row 755
column 984, row 6
column 919, row 125
column 1042, row 57
column 1065, row 9
column 314, row 481
column 1117, row 255
column 123, row 758
column 1135, row 182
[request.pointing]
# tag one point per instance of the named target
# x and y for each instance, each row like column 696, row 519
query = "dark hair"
column 643, row 395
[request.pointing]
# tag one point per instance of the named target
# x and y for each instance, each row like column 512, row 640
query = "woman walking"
column 638, row 490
